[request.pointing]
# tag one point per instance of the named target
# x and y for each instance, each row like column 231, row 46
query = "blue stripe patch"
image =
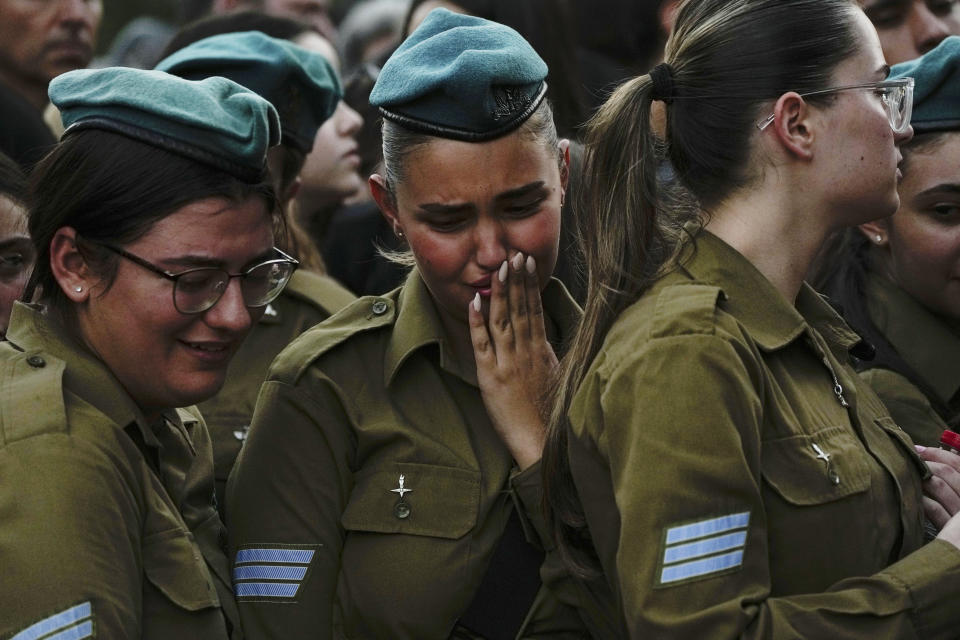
column 291, row 556
column 704, row 547
column 701, row 567
column 268, row 572
column 84, row 630
column 707, row 527
column 266, row 589
column 56, row 622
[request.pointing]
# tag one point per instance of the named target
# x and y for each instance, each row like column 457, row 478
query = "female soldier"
column 389, row 487
column 153, row 227
column 898, row 279
column 737, row 478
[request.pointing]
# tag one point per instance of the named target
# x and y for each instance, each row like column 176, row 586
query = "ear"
column 386, row 201
column 792, row 125
column 564, row 150
column 877, row 232
column 292, row 190
column 667, row 15
column 69, row 267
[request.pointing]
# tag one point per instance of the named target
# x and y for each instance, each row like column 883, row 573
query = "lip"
column 70, row 49
column 482, row 286
column 352, row 158
column 210, row 352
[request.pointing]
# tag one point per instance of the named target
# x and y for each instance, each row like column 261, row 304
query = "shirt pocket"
column 174, row 565
column 435, row 501
column 826, row 466
column 904, row 445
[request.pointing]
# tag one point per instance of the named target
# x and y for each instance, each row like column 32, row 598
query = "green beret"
column 461, row 77
column 215, row 122
column 300, row 84
column 936, row 94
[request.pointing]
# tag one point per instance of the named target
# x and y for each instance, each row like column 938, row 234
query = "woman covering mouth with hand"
column 154, row 230
column 390, row 482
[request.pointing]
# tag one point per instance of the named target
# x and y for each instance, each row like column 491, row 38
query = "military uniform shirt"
column 307, row 299
column 738, row 478
column 930, row 346
column 363, row 405
column 108, row 525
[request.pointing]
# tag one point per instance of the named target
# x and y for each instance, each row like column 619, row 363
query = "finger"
column 935, row 512
column 501, row 332
column 538, row 331
column 944, row 486
column 935, row 454
column 483, row 351
column 518, row 300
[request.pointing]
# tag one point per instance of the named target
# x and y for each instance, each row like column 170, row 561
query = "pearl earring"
column 78, row 289
column 879, row 238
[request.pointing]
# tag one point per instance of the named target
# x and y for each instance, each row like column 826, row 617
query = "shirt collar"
column 86, row 375
column 924, row 340
column 752, row 299
column 418, row 325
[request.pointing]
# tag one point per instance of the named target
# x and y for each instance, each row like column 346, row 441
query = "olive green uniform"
column 371, row 396
column 930, row 346
column 307, row 299
column 740, row 480
column 108, row 523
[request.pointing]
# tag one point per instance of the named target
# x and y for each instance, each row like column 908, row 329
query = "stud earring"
column 879, row 238
column 78, row 289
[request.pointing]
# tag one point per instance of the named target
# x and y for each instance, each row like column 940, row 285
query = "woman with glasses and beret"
column 897, row 279
column 390, row 485
column 153, row 224
column 736, row 477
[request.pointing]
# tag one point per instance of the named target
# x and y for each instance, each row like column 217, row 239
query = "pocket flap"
column 814, row 469
column 175, row 566
column 437, row 501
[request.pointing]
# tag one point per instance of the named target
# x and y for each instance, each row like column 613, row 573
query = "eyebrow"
column 880, row 5
column 194, row 261
column 946, row 187
column 510, row 194
column 884, row 71
column 16, row 241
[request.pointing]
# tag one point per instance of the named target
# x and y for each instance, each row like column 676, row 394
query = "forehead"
column 933, row 164
column 451, row 170
column 13, row 218
column 868, row 57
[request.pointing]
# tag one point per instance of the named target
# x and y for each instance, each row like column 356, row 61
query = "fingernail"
column 476, row 302
column 502, row 274
column 531, row 265
column 919, row 448
column 517, row 261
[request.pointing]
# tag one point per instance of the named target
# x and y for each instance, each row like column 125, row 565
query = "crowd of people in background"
column 480, row 319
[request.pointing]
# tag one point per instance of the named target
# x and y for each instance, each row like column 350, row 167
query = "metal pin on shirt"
column 402, row 508
column 823, row 455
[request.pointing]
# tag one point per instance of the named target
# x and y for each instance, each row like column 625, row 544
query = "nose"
column 927, row 28
column 490, row 246
column 903, row 137
column 230, row 313
column 347, row 120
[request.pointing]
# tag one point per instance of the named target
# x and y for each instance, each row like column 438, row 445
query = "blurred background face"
column 16, row 256
column 923, row 247
column 315, row 13
column 910, row 28
column 40, row 39
column 330, row 174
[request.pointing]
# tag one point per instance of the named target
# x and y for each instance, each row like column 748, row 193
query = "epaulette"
column 363, row 315
column 318, row 290
column 686, row 308
column 31, row 395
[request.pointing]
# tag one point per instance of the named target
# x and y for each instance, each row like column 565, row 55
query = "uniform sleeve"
column 69, row 542
column 285, row 497
column 910, row 409
column 679, row 437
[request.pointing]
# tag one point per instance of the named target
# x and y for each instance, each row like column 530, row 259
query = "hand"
column 515, row 362
column 942, row 499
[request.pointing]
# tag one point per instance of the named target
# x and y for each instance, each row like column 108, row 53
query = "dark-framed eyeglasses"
column 197, row 290
column 896, row 95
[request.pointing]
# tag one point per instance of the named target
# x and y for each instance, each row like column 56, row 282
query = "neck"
column 775, row 230
column 457, row 333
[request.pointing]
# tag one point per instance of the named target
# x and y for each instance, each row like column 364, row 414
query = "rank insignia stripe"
column 702, row 549
column 271, row 572
column 74, row 623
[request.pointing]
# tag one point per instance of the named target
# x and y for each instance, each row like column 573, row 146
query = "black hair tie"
column 662, row 78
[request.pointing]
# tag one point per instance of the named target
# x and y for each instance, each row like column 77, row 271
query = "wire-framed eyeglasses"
column 896, row 95
column 197, row 290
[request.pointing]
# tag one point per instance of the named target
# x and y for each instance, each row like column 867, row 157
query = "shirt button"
column 379, row 307
column 36, row 362
column 402, row 510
